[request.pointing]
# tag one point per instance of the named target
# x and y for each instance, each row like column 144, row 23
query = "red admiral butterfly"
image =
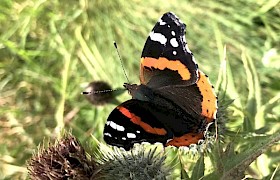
column 175, row 101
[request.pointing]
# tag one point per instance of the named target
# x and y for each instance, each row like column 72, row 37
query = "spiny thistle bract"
column 66, row 159
column 137, row 164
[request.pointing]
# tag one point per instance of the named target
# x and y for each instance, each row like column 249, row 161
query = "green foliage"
column 199, row 168
column 50, row 49
column 229, row 165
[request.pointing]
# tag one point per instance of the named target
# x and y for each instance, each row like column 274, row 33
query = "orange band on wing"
column 185, row 140
column 163, row 63
column 137, row 120
column 209, row 102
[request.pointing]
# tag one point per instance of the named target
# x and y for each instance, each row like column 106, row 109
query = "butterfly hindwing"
column 134, row 122
column 199, row 100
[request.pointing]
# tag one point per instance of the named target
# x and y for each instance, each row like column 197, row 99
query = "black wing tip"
column 173, row 17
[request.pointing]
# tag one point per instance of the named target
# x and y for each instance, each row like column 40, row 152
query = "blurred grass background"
column 50, row 49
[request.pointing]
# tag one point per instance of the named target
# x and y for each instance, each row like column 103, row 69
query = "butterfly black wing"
column 135, row 121
column 166, row 54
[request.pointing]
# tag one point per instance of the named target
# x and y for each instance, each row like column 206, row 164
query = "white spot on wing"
column 123, row 138
column 161, row 22
column 138, row 132
column 116, row 126
column 158, row 37
column 107, row 134
column 174, row 53
column 113, row 125
column 174, row 42
column 173, row 33
column 120, row 128
column 131, row 135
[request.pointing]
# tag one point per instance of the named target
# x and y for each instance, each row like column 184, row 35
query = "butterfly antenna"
column 115, row 44
column 98, row 92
